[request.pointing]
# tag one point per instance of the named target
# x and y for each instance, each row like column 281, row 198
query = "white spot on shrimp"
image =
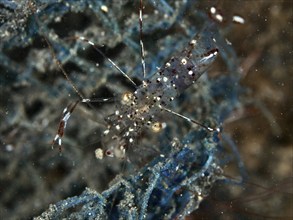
column 65, row 110
column 213, row 10
column 210, row 56
column 91, row 43
column 219, row 17
column 193, row 42
column 184, row 61
column 104, row 8
column 144, row 83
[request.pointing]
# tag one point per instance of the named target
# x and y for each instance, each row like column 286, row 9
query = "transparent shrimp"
column 140, row 109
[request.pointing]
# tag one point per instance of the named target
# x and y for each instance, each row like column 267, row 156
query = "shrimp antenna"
column 105, row 57
column 63, row 70
column 191, row 120
column 142, row 52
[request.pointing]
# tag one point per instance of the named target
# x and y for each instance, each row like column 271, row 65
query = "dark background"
column 34, row 93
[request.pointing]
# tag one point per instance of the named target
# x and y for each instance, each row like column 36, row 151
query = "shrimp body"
column 140, row 109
